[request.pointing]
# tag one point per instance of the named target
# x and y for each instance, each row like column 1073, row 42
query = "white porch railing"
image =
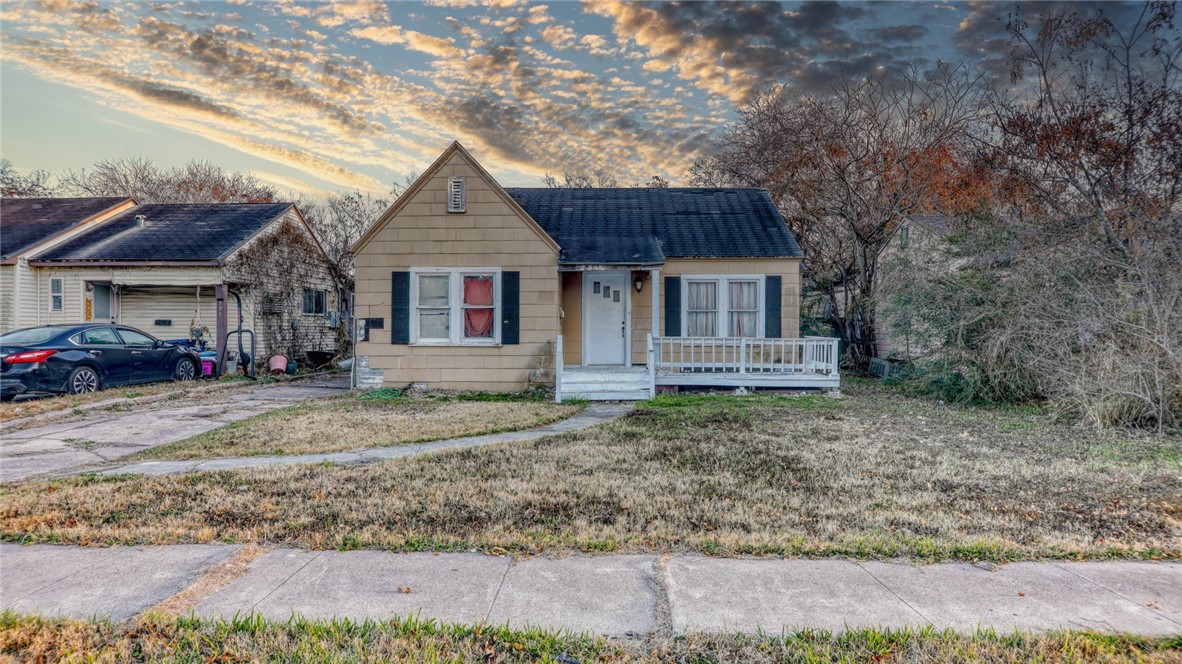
column 743, row 355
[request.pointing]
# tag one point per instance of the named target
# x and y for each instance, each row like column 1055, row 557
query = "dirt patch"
column 215, row 579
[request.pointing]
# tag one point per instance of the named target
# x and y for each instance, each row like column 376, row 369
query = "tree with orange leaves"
column 847, row 169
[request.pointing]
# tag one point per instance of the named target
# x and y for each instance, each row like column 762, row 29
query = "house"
column 170, row 269
column 31, row 224
column 600, row 293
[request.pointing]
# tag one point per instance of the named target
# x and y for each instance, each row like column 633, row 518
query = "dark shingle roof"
column 640, row 225
column 26, row 222
column 170, row 232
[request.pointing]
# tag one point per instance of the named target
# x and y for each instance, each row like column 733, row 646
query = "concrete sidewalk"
column 616, row 595
column 99, row 437
column 589, row 417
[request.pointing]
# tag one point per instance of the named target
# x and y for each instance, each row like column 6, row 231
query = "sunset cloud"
column 354, row 93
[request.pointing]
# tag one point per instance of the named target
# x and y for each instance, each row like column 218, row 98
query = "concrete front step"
column 613, row 394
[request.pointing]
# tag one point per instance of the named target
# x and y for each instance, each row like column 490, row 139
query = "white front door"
column 605, row 317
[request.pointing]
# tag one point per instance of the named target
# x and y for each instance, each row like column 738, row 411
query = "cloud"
column 729, row 49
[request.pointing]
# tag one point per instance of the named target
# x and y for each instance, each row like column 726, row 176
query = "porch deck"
column 726, row 362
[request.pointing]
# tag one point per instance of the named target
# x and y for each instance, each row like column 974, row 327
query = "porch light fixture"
column 639, row 285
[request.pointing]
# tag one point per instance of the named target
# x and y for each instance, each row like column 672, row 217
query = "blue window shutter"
column 772, row 287
column 400, row 307
column 673, row 306
column 510, row 308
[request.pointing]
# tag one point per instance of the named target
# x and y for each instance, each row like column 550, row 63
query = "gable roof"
column 454, row 149
column 203, row 233
column 645, row 226
column 28, row 222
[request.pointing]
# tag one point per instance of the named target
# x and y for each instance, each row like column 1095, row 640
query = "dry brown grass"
column 350, row 423
column 875, row 475
column 166, row 639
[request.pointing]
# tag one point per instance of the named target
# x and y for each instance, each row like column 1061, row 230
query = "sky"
column 355, row 94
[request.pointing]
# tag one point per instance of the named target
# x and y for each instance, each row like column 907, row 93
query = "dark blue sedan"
column 77, row 359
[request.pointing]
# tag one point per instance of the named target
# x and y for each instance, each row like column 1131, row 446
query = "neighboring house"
column 463, row 284
column 28, row 225
column 160, row 268
column 919, row 244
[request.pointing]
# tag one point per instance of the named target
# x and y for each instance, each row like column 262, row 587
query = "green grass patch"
column 383, row 394
column 159, row 637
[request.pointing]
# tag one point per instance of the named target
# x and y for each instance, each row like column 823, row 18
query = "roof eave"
column 70, row 262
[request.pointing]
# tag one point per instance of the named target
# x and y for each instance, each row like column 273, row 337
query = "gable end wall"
column 489, row 234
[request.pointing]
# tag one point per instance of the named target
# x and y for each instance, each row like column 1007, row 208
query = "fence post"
column 558, row 370
column 652, row 368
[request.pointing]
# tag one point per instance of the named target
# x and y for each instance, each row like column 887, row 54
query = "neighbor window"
column 315, row 302
column 56, row 301
column 722, row 306
column 456, row 306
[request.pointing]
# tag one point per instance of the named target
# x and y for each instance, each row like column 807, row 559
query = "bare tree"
column 846, row 169
column 195, row 182
column 581, row 180
column 34, row 184
column 1091, row 138
column 338, row 223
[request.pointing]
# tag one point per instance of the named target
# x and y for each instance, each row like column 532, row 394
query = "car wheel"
column 5, row 398
column 82, row 380
column 186, row 369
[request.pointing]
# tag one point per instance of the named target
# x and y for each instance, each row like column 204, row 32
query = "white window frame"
column 722, row 315
column 315, row 290
column 57, row 301
column 458, row 196
column 455, row 305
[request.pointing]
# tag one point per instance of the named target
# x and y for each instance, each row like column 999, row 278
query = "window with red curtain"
column 478, row 306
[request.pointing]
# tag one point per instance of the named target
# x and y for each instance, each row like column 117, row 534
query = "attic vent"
column 140, row 219
column 457, row 194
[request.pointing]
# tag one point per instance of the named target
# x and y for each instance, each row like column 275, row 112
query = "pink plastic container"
column 206, row 367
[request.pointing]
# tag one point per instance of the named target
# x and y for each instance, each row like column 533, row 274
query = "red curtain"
column 478, row 322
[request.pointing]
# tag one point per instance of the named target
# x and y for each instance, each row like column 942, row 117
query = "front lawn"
column 352, row 422
column 873, row 475
column 251, row 639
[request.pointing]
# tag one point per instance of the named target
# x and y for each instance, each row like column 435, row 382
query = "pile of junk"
column 240, row 350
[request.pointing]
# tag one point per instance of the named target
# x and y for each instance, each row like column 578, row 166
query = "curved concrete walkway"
column 589, row 417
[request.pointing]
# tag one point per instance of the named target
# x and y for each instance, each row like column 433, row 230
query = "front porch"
column 707, row 362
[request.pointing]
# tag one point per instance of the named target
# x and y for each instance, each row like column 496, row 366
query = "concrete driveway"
column 100, row 436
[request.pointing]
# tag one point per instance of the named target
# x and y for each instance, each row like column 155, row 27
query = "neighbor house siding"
column 142, row 307
column 7, row 298
column 490, row 234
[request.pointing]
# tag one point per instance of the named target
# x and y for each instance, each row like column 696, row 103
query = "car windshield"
column 29, row 337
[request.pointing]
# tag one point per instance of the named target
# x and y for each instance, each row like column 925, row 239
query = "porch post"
column 655, row 278
column 223, row 330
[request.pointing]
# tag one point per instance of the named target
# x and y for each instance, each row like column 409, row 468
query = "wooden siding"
column 491, row 233
column 572, row 317
column 7, row 298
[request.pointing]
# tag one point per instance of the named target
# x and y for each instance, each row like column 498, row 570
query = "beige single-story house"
column 169, row 269
column 600, row 293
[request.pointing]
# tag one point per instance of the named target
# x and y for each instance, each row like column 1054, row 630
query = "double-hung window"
column 315, row 302
column 56, row 295
column 456, row 306
column 723, row 306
